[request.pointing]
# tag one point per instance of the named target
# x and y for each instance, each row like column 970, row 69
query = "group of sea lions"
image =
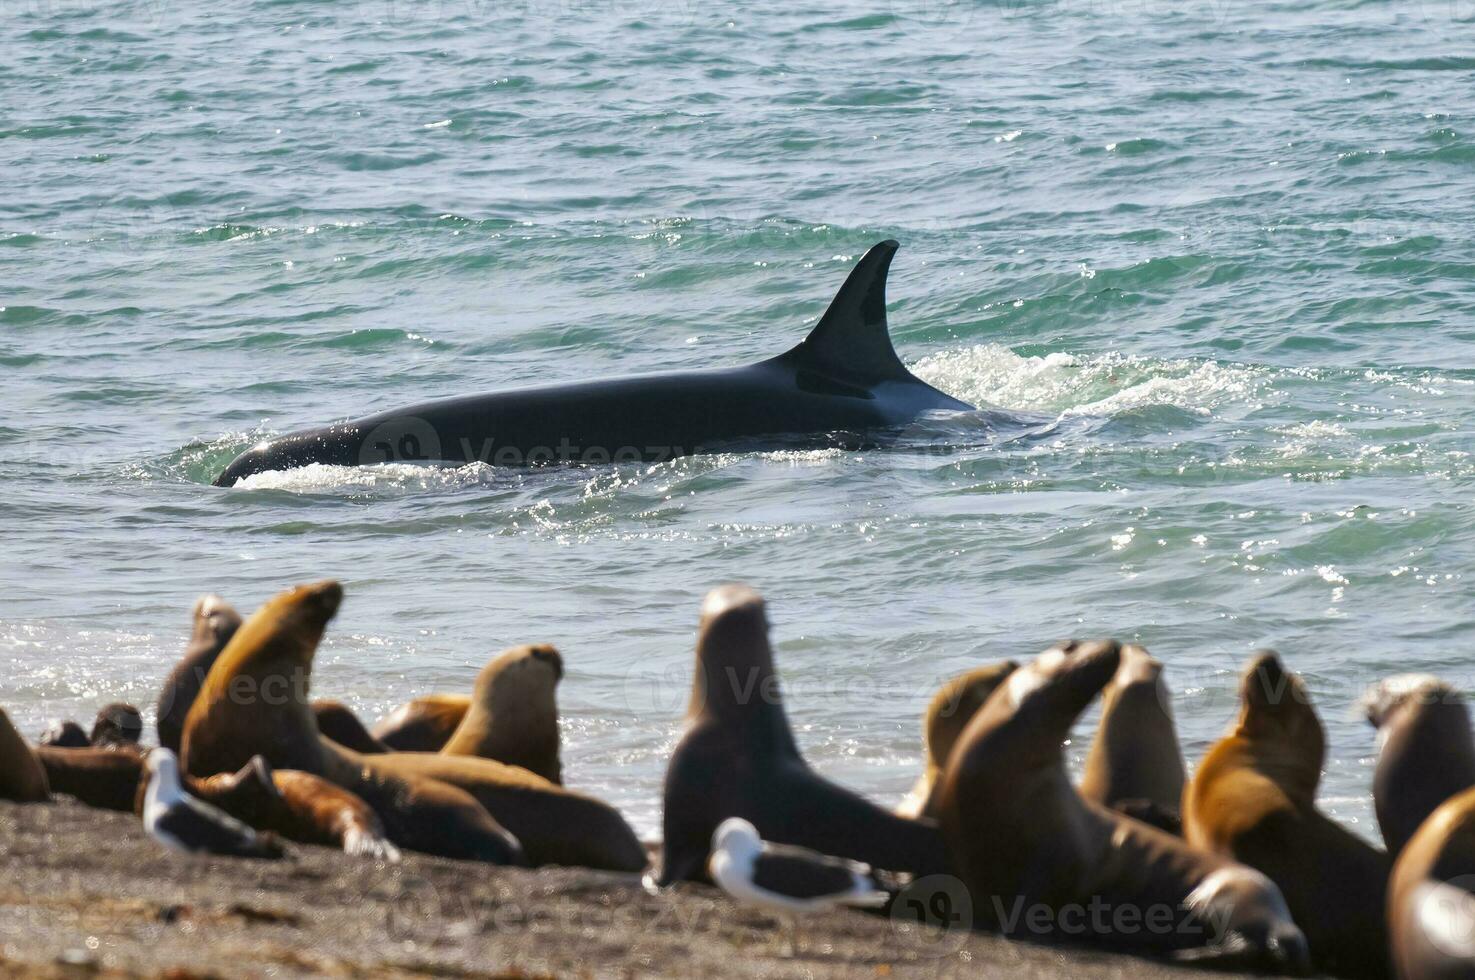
column 1234, row 866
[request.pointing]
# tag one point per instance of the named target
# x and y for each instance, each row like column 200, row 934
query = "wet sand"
column 88, row 893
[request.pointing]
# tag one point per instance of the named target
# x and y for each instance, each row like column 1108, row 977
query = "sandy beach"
column 88, row 893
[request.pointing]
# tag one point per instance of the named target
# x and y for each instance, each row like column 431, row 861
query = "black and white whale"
column 843, row 386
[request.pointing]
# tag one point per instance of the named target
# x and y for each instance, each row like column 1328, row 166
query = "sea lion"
column 1431, row 897
column 949, row 712
column 1042, row 861
column 22, row 777
column 65, row 735
column 513, row 716
column 1135, row 765
column 297, row 806
column 1253, row 798
column 254, row 701
column 116, row 725
column 337, row 721
column 738, row 758
column 1425, row 751
column 215, row 622
column 272, row 654
column 424, row 724
column 554, row 824
column 100, row 776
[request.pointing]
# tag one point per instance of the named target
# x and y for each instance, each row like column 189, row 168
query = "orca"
column 843, row 386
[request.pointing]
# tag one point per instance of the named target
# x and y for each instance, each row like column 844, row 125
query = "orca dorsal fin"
column 851, row 341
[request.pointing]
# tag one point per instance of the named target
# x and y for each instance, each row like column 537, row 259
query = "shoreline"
column 88, row 893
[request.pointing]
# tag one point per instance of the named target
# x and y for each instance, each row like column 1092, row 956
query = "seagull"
column 179, row 821
column 787, row 879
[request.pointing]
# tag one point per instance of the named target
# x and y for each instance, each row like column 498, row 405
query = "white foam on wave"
column 1317, row 438
column 321, row 477
column 1096, row 384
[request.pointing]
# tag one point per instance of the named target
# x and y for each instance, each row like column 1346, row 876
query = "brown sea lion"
column 1431, row 897
column 254, row 702
column 1135, row 764
column 1425, row 751
column 424, row 724
column 1041, row 861
column 294, row 805
column 117, row 724
column 22, row 777
column 554, row 824
column 513, row 716
column 949, row 712
column 215, row 622
column 738, row 758
column 337, row 721
column 272, row 654
column 100, row 776
column 65, row 735
column 1253, row 798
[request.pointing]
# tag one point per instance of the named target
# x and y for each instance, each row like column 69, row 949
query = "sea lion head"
column 65, row 735
column 1064, row 678
column 288, row 627
column 1031, row 714
column 513, row 716
column 250, row 795
column 1401, row 693
column 734, row 658
column 255, row 698
column 118, row 725
column 1425, row 751
column 215, row 622
column 955, row 704
column 1250, row 921
column 1277, row 718
column 516, row 677
column 1137, row 667
column 1274, row 702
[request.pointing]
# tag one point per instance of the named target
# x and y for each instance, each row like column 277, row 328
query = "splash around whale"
column 843, row 386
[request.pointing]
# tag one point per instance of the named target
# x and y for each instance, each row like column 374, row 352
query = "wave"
column 1106, row 384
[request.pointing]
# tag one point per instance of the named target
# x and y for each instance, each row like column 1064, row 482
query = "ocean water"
column 1206, row 265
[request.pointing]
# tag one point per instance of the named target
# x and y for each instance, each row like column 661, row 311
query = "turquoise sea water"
column 1210, row 262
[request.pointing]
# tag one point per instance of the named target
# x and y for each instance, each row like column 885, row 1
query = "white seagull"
column 787, row 879
column 180, row 821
